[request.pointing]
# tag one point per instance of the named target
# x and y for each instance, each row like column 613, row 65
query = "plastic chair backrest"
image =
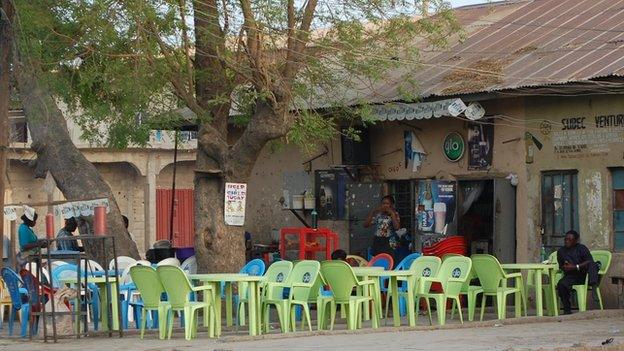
column 449, row 255
column 171, row 261
column 189, row 265
column 61, row 272
column 304, row 272
column 382, row 260
column 144, row 263
column 602, row 259
column 56, row 264
column 255, row 267
column 489, row 271
column 31, row 283
column 454, row 272
column 148, row 283
column 13, row 282
column 123, row 262
column 278, row 272
column 426, row 266
column 552, row 258
column 406, row 262
column 176, row 284
column 317, row 287
column 91, row 266
column 340, row 278
column 362, row 262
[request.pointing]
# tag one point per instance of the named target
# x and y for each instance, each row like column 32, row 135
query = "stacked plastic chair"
column 452, row 245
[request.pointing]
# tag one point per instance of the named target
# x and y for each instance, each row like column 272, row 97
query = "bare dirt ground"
column 584, row 331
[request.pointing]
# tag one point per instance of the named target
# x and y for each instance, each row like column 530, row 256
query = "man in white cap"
column 28, row 240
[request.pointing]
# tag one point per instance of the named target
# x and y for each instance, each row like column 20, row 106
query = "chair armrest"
column 513, row 275
column 456, row 280
column 202, row 288
column 423, row 280
column 300, row 285
column 366, row 282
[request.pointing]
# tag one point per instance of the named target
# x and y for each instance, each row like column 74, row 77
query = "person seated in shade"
column 342, row 256
column 67, row 232
column 29, row 243
column 575, row 261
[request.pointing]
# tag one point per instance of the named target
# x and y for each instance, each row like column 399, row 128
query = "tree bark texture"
column 6, row 43
column 75, row 176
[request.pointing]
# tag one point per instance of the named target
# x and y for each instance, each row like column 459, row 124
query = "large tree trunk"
column 75, row 176
column 6, row 44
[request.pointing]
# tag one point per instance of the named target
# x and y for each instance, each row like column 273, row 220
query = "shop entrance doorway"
column 487, row 217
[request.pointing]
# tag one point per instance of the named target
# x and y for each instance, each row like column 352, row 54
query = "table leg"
column 115, row 306
column 410, row 307
column 366, row 293
column 553, row 292
column 228, row 304
column 103, row 306
column 253, row 309
column 396, row 315
column 217, row 305
column 538, row 293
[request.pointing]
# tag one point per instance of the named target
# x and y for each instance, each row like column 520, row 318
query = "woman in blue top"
column 386, row 221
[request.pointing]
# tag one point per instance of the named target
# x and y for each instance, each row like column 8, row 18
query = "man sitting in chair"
column 575, row 261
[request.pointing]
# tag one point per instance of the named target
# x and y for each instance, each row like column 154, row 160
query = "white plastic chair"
column 171, row 261
column 122, row 263
column 91, row 266
column 189, row 265
column 56, row 264
column 144, row 263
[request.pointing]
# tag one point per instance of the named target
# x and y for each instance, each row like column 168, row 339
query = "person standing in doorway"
column 575, row 261
column 386, row 221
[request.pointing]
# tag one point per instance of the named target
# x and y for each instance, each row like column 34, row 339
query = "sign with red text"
column 235, row 196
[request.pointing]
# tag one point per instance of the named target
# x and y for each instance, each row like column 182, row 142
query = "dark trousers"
column 381, row 245
column 564, row 288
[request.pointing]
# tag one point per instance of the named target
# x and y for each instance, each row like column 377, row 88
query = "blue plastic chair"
column 255, row 267
column 94, row 300
column 19, row 299
column 405, row 264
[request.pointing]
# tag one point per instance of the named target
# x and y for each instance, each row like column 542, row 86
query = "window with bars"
column 617, row 176
column 559, row 206
column 402, row 192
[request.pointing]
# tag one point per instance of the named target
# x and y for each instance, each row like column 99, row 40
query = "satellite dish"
column 474, row 111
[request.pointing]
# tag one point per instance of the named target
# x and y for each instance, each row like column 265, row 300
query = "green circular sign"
column 454, row 146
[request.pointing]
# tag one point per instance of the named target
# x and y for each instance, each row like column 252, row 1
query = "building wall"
column 508, row 154
column 594, row 179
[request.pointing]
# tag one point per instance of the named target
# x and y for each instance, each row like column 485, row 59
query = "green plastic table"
column 216, row 279
column 102, row 285
column 538, row 268
column 368, row 272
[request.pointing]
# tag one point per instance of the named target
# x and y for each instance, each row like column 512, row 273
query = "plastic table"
column 369, row 272
column 538, row 268
column 103, row 283
column 216, row 279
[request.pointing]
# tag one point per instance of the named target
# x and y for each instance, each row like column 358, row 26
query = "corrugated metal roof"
column 515, row 44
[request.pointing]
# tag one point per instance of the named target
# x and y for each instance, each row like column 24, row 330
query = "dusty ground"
column 580, row 332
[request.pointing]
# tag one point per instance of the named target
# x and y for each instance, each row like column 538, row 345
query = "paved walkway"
column 523, row 334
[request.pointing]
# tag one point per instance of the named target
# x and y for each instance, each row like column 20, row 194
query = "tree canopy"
column 128, row 61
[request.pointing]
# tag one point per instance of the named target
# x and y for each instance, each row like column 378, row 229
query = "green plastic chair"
column 452, row 275
column 603, row 260
column 471, row 292
column 341, row 280
column 321, row 300
column 151, row 289
column 423, row 266
column 300, row 281
column 179, row 289
column 277, row 272
column 493, row 280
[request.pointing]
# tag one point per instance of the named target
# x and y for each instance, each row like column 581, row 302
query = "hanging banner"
column 480, row 146
column 10, row 213
column 235, row 196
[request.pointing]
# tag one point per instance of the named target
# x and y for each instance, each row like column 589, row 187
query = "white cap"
column 439, row 207
column 29, row 212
